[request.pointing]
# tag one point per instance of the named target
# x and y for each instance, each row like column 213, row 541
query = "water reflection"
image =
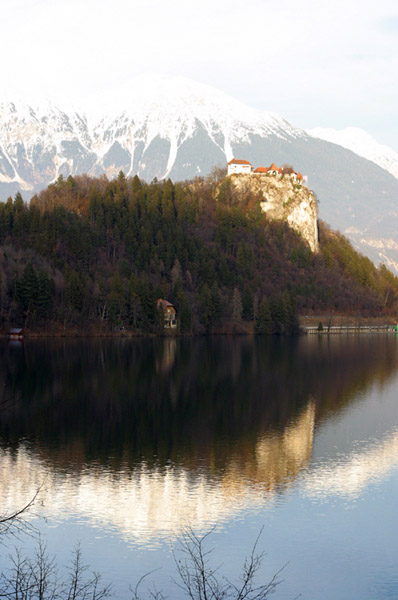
column 350, row 475
column 155, row 501
column 175, row 432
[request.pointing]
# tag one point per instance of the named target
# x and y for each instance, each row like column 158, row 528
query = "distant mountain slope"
column 362, row 143
column 180, row 129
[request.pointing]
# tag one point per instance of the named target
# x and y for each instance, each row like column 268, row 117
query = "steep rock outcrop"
column 283, row 198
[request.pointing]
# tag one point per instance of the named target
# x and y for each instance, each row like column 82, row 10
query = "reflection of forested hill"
column 193, row 400
column 164, row 499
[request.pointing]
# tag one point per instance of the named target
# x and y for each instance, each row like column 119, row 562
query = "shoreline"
column 309, row 325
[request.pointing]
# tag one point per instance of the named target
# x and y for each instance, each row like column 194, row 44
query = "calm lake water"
column 133, row 441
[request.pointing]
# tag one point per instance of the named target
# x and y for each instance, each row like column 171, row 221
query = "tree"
column 116, row 301
column 206, row 307
column 202, row 581
column 292, row 325
column 247, row 305
column 287, row 169
column 184, row 312
column 27, row 288
column 14, row 523
column 176, row 273
column 236, row 306
column 263, row 323
column 278, row 314
column 37, row 578
column 75, row 290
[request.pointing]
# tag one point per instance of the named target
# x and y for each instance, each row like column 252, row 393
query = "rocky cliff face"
column 282, row 198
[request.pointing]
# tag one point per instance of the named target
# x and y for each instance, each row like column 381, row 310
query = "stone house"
column 169, row 312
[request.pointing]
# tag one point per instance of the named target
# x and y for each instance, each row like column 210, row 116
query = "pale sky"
column 316, row 63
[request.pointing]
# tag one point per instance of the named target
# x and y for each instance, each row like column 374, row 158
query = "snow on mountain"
column 142, row 132
column 179, row 129
column 172, row 109
column 38, row 142
column 362, row 143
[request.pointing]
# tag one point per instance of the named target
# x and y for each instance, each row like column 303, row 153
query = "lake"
column 132, row 441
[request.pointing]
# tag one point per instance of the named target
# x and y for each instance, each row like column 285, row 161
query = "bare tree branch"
column 200, row 581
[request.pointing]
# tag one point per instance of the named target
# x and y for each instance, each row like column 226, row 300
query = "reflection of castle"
column 278, row 457
column 159, row 501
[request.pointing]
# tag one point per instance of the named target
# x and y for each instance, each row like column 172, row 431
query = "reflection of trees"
column 119, row 401
column 162, row 500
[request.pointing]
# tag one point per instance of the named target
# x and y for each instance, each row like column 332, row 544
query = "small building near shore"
column 15, row 333
column 169, row 312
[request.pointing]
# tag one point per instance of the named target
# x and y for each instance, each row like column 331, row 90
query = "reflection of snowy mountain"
column 350, row 477
column 160, row 502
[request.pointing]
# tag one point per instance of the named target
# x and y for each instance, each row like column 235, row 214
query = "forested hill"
column 92, row 255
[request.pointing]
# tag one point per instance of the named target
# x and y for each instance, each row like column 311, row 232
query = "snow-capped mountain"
column 179, row 129
column 39, row 142
column 362, row 143
column 169, row 112
column 157, row 123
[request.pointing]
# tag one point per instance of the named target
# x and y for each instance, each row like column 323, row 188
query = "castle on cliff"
column 236, row 166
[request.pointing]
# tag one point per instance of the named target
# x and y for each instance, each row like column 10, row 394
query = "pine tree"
column 263, row 324
column 45, row 293
column 27, row 289
column 247, row 305
column 75, row 291
column 116, row 302
column 236, row 306
column 206, row 307
column 184, row 312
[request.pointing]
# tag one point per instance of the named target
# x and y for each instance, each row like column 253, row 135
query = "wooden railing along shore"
column 351, row 329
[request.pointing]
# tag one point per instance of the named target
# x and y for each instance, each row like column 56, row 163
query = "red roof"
column 261, row 170
column 299, row 176
column 236, row 161
column 165, row 304
column 273, row 167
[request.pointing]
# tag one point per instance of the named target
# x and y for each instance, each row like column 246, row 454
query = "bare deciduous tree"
column 37, row 578
column 201, row 581
column 13, row 523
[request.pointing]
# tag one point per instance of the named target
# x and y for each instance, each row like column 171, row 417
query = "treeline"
column 94, row 255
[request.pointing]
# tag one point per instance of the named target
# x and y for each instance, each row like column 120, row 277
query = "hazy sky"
column 322, row 63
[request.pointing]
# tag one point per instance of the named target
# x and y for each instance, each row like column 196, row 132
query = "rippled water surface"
column 133, row 441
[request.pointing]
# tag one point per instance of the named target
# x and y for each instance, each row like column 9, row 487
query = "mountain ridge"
column 180, row 130
column 362, row 143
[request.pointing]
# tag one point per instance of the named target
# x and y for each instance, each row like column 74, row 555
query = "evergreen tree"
column 206, row 308
column 75, row 291
column 247, row 305
column 184, row 312
column 292, row 325
column 263, row 324
column 116, row 301
column 217, row 310
column 45, row 294
column 27, row 290
column 278, row 314
column 236, row 306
